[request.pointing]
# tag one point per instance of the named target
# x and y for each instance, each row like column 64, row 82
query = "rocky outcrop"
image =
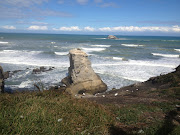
column 41, row 69
column 81, row 77
column 112, row 37
column 1, row 80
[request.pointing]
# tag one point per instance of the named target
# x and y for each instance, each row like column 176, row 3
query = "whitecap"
column 131, row 45
column 134, row 79
column 102, row 45
column 87, row 50
column 122, row 39
column 100, row 38
column 177, row 50
column 25, row 84
column 118, row 58
column 166, row 55
column 1, row 42
column 61, row 53
column 20, row 51
column 53, row 42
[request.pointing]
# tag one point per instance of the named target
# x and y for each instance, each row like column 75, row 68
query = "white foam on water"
column 122, row 39
column 136, row 70
column 102, row 45
column 61, row 53
column 166, row 55
column 55, row 46
column 53, row 42
column 1, row 42
column 171, row 40
column 177, row 50
column 140, row 63
column 20, row 51
column 87, row 50
column 22, row 75
column 100, row 38
column 30, row 58
column 131, row 45
column 26, row 84
column 118, row 58
column 34, row 62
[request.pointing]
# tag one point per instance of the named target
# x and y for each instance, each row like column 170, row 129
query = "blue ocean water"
column 119, row 63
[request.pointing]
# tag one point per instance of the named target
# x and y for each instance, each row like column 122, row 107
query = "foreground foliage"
column 52, row 112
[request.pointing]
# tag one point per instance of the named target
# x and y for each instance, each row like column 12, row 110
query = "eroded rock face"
column 1, row 80
column 112, row 37
column 81, row 77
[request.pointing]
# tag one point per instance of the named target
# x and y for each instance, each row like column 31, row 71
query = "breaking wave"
column 131, row 45
column 61, row 53
column 166, row 55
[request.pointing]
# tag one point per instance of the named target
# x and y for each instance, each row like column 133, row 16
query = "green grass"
column 52, row 112
column 172, row 92
column 150, row 118
column 38, row 113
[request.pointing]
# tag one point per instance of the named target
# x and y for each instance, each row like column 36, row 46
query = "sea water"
column 120, row 62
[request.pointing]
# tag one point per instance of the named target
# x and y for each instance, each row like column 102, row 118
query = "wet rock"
column 41, row 69
column 6, row 74
column 36, row 71
column 1, row 80
column 112, row 37
column 81, row 77
column 16, row 71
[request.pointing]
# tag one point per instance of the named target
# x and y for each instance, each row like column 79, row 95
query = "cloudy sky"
column 123, row 17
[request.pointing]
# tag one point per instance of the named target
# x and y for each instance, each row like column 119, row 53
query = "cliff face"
column 1, row 80
column 81, row 77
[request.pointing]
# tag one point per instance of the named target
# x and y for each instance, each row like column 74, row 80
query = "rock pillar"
column 81, row 77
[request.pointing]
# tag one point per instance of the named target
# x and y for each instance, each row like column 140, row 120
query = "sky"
column 118, row 17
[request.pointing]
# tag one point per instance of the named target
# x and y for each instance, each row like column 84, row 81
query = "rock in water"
column 81, row 77
column 112, row 37
column 1, row 80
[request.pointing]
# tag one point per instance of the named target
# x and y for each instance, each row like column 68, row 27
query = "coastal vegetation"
column 55, row 112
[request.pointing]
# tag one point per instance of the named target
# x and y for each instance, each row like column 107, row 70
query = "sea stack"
column 1, row 80
column 81, row 77
column 112, row 37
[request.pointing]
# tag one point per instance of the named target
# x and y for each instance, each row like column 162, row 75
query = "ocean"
column 121, row 62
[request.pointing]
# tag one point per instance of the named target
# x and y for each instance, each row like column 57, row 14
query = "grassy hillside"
column 53, row 112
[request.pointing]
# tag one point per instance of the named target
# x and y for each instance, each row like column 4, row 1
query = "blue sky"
column 122, row 17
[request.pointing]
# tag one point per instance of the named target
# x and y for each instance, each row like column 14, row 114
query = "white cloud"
column 39, row 23
column 9, row 27
column 82, row 2
column 36, row 27
column 140, row 29
column 105, row 29
column 176, row 28
column 88, row 28
column 22, row 3
column 72, row 28
column 20, row 9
